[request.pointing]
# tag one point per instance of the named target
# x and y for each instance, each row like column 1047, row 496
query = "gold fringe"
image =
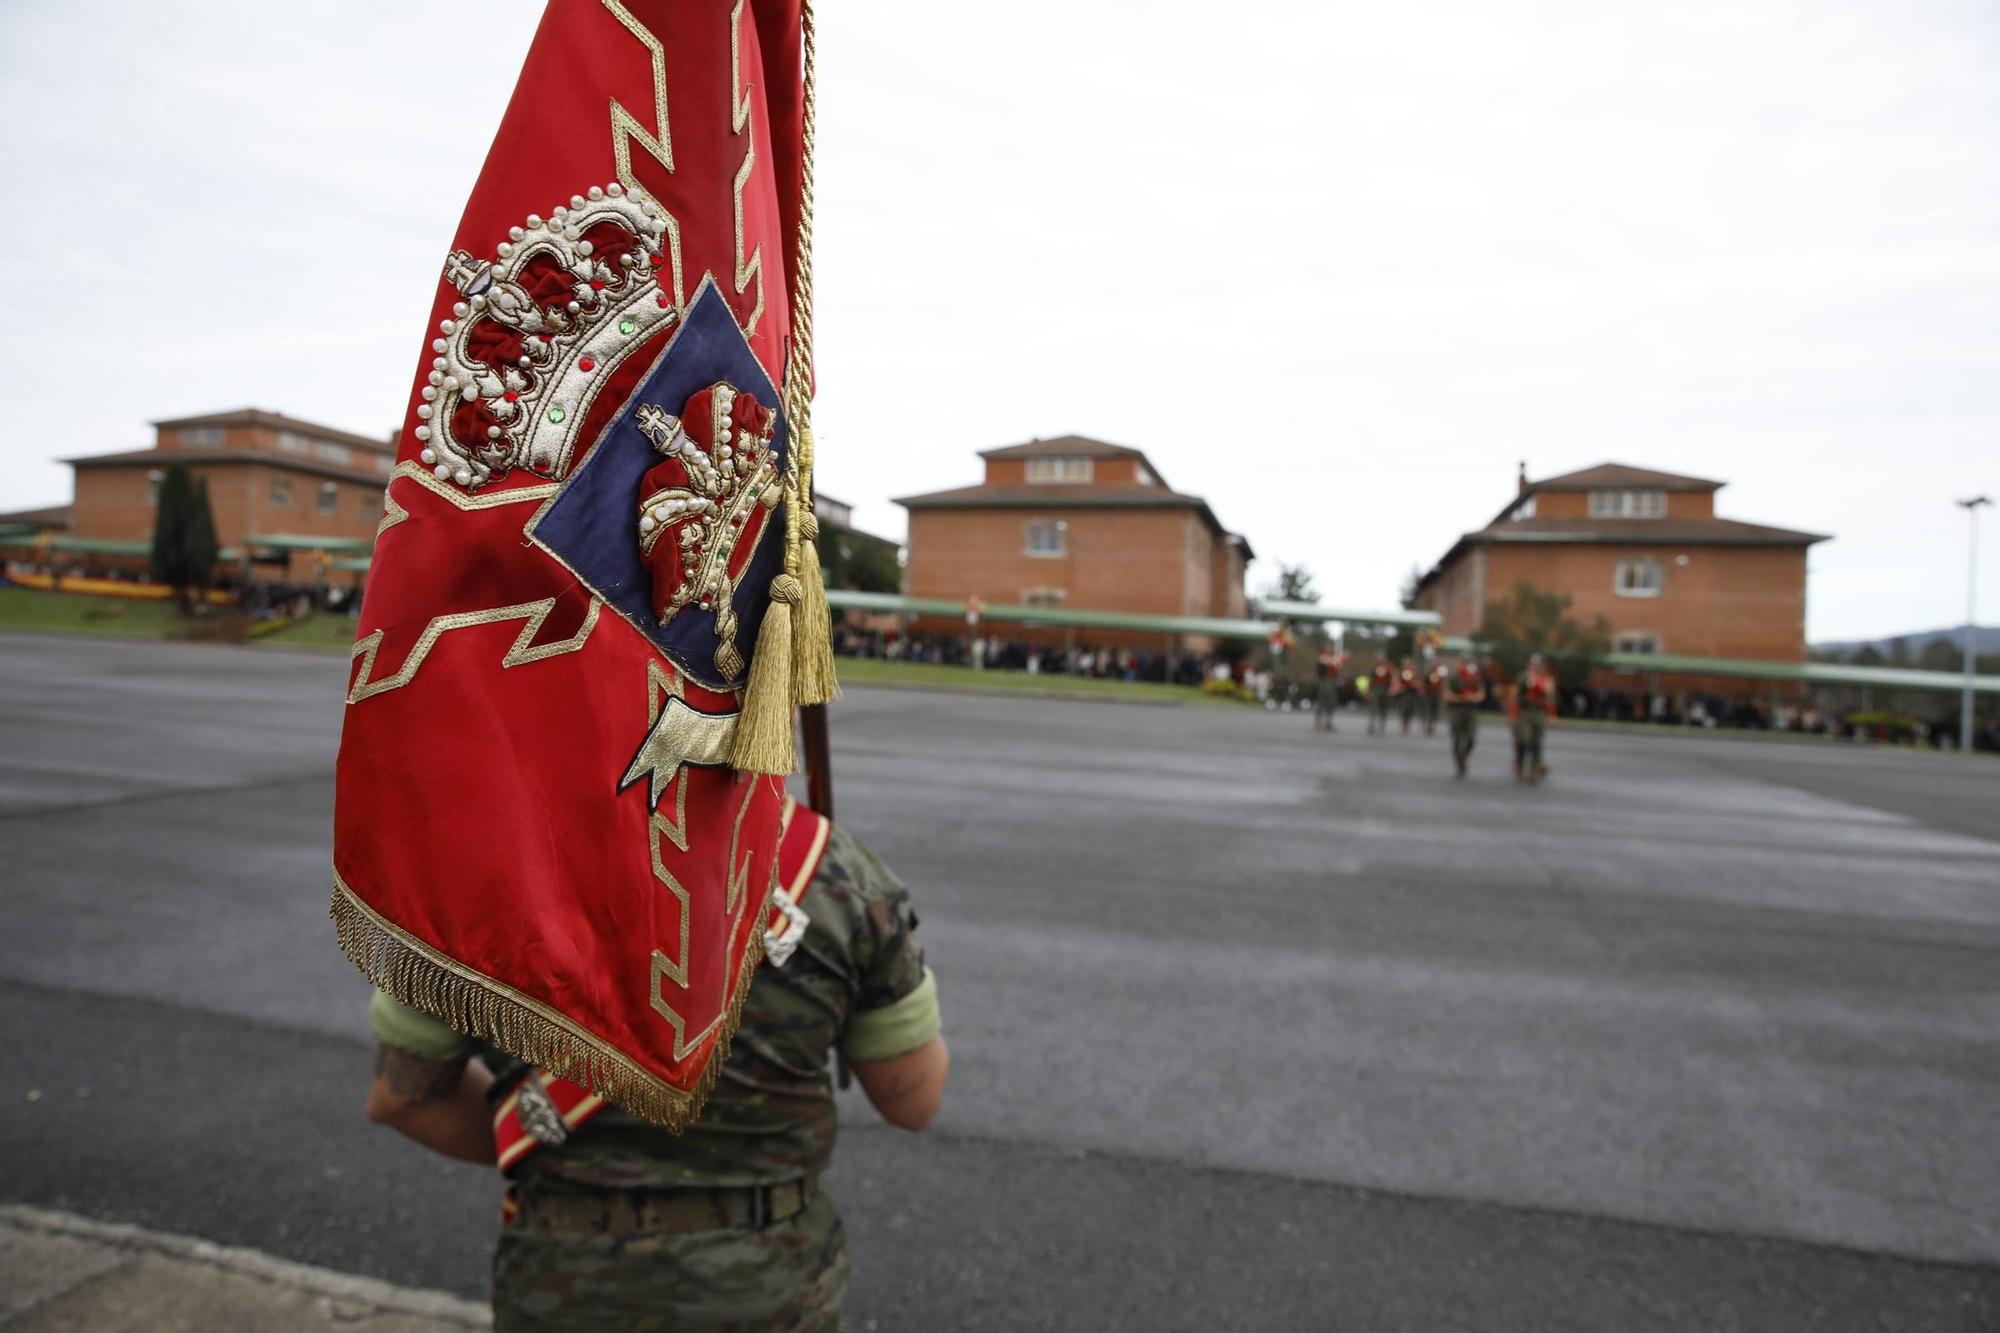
column 812, row 638
column 764, row 742
column 475, row 1004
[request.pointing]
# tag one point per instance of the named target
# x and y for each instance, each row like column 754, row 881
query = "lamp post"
column 1971, row 508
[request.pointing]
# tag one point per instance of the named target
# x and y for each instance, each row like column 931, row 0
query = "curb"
column 373, row 1295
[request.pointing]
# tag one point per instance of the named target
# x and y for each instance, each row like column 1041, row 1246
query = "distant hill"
column 1985, row 639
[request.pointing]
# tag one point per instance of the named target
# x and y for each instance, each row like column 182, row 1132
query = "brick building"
column 1646, row 551
column 1075, row 522
column 282, row 491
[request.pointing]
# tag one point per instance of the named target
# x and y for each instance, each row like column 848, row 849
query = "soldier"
column 1464, row 690
column 1533, row 704
column 1409, row 691
column 1436, row 681
column 1382, row 685
column 1326, row 688
column 612, row 1223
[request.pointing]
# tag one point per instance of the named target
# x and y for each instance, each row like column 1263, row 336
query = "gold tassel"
column 764, row 741
column 812, row 637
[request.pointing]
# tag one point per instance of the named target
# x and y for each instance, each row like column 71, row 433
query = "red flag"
column 539, row 836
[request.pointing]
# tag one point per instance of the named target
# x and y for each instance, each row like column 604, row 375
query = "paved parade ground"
column 1252, row 1028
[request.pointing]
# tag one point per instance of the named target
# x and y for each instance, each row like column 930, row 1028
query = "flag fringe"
column 488, row 1010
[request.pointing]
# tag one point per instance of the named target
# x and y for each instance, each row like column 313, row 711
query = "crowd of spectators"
column 1001, row 654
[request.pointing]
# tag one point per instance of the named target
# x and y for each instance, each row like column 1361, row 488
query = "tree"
column 1942, row 655
column 1533, row 621
column 183, row 535
column 1295, row 584
column 859, row 561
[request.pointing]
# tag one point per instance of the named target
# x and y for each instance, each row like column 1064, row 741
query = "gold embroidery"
column 625, row 127
column 662, row 685
column 739, row 121
column 460, row 499
column 739, row 878
column 681, row 735
column 662, row 965
column 520, row 654
column 484, row 1007
column 392, row 513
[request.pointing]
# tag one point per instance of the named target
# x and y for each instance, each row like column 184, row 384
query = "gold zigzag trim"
column 625, row 128
column 519, row 655
column 394, row 513
column 739, row 120
column 482, row 1007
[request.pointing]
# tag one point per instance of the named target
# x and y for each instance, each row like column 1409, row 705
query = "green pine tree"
column 184, row 550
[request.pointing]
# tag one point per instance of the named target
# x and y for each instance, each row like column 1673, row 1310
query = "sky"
column 1337, row 267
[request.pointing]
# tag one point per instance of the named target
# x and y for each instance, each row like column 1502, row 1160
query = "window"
column 1070, row 471
column 329, row 497
column 153, row 487
column 1044, row 597
column 1525, row 509
column 1628, row 504
column 294, row 443
column 1144, row 475
column 1637, row 641
column 385, row 464
column 281, row 492
column 331, row 452
column 1638, row 578
column 1048, row 538
column 370, row 503
column 199, row 437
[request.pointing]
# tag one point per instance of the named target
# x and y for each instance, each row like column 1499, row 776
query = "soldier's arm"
column 426, row 1086
column 892, row 1039
column 907, row 1089
column 438, row 1103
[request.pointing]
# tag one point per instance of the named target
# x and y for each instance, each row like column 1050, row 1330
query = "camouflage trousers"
column 1464, row 730
column 790, row 1277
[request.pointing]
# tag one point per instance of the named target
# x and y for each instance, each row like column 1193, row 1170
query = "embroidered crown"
column 538, row 332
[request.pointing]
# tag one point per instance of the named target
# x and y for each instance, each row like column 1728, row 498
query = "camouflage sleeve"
column 414, row 1032
column 895, row 1008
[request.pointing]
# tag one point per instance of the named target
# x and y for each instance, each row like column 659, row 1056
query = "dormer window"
column 1059, row 471
column 1525, row 509
column 1628, row 504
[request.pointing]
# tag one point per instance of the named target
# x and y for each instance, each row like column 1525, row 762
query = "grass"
column 86, row 613
column 82, row 613
column 879, row 671
column 328, row 631
column 32, row 609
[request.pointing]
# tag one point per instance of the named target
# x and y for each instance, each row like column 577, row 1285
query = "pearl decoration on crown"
column 532, row 407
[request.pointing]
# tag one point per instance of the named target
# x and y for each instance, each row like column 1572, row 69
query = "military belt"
column 662, row 1211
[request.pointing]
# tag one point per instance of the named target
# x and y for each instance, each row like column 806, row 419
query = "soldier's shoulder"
column 851, row 871
column 855, row 894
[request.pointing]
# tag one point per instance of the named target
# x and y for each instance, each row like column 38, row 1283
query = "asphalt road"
column 1252, row 1028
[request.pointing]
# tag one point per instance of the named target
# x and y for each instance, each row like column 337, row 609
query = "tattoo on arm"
column 416, row 1082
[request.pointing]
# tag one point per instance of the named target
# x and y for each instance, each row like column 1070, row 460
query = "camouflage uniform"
column 857, row 983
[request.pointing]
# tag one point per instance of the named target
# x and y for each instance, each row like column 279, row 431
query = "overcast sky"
column 1335, row 266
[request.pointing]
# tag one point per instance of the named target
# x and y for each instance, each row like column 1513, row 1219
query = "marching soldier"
column 1326, row 688
column 1464, row 690
column 1436, row 681
column 1381, row 686
column 1533, row 704
column 1409, row 691
column 613, row 1223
